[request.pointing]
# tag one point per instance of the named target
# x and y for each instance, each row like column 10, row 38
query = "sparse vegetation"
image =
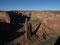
column 56, row 12
column 18, row 44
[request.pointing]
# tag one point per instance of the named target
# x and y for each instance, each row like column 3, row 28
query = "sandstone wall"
column 4, row 17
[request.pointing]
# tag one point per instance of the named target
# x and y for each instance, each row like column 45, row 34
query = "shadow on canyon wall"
column 57, row 41
column 36, row 29
column 8, row 30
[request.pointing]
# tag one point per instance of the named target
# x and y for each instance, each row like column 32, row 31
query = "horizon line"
column 29, row 10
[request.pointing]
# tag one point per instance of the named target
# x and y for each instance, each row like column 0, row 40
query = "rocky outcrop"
column 4, row 17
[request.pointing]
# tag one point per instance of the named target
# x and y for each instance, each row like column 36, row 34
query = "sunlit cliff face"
column 4, row 17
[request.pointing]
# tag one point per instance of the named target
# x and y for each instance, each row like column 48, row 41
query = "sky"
column 39, row 5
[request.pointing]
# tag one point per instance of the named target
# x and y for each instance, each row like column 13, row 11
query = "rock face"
column 8, row 16
column 4, row 17
column 42, row 31
column 50, row 19
column 54, row 24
